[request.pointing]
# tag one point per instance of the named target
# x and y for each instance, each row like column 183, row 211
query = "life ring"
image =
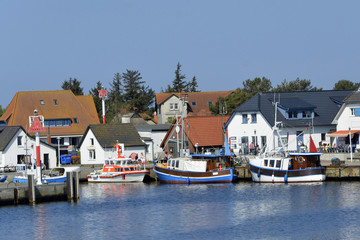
column 300, row 159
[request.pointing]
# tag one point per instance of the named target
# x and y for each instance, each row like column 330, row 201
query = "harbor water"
column 329, row 210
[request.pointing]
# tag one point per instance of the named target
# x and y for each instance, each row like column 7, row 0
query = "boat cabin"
column 119, row 165
column 197, row 163
column 276, row 163
column 305, row 160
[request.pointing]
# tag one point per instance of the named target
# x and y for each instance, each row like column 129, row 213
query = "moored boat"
column 117, row 171
column 3, row 178
column 56, row 175
column 195, row 169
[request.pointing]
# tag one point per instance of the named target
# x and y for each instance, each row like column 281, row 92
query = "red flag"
column 312, row 145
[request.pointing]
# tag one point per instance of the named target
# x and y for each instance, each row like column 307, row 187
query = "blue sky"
column 222, row 43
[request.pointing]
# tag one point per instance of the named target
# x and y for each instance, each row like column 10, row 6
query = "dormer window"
column 76, row 120
column 193, row 103
column 210, row 102
column 56, row 102
column 42, row 102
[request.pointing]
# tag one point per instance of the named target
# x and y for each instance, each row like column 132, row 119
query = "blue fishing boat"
column 197, row 168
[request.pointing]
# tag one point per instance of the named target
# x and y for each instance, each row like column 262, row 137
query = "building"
column 347, row 121
column 152, row 135
column 66, row 116
column 298, row 114
column 199, row 135
column 98, row 142
column 170, row 105
column 17, row 147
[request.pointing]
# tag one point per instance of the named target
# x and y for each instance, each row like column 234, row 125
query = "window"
column 355, row 112
column 171, row 106
column 306, row 114
column 193, row 103
column 57, row 123
column 76, row 120
column 263, row 141
column 253, row 118
column 177, row 163
column 244, row 118
column 295, row 114
column 173, row 163
column 278, row 163
column 290, row 115
column 92, row 155
column 265, row 163
column 272, row 162
column 91, row 141
column 42, row 102
column 56, row 102
column 210, row 102
column 176, row 106
column 323, row 137
column 19, row 138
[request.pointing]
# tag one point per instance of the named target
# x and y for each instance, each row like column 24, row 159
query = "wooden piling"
column 76, row 185
column 70, row 186
column 31, row 189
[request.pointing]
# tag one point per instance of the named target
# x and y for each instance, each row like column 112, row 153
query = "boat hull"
column 184, row 177
column 263, row 175
column 117, row 178
column 61, row 179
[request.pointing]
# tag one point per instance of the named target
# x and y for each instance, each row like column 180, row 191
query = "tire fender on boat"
column 187, row 180
column 286, row 178
column 259, row 173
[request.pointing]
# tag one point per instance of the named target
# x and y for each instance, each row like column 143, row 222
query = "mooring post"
column 76, row 185
column 70, row 186
column 31, row 189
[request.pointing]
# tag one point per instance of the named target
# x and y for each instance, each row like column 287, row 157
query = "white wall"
column 158, row 137
column 10, row 154
column 166, row 112
column 86, row 146
column 347, row 121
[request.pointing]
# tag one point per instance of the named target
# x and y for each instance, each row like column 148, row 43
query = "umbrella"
column 133, row 156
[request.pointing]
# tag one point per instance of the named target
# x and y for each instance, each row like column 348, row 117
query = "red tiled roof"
column 68, row 106
column 205, row 130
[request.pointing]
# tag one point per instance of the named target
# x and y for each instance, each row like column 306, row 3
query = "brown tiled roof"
column 206, row 130
column 68, row 106
column 201, row 99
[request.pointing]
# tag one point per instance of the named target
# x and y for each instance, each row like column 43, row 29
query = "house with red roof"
column 198, row 135
column 66, row 116
column 170, row 105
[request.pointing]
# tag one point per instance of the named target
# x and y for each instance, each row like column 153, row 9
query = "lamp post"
column 58, row 140
column 351, row 155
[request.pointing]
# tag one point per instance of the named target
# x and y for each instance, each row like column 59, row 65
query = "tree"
column 97, row 99
column 2, row 110
column 73, row 85
column 252, row 87
column 178, row 84
column 296, row 85
column 116, row 90
column 232, row 101
column 136, row 94
column 346, row 85
column 192, row 86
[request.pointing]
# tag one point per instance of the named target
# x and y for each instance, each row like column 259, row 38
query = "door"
column 46, row 160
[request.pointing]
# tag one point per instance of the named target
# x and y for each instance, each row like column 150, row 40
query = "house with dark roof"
column 17, row 147
column 98, row 142
column 196, row 135
column 66, row 116
column 152, row 135
column 170, row 105
column 347, row 122
column 298, row 114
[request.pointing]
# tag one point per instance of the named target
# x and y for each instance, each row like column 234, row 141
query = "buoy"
column 220, row 167
column 272, row 177
column 259, row 173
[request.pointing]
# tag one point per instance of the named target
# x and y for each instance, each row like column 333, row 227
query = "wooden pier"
column 31, row 193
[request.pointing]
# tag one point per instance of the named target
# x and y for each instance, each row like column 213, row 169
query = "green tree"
column 136, row 94
column 232, row 101
column 116, row 89
column 192, row 86
column 178, row 84
column 346, row 85
column 73, row 85
column 252, row 87
column 296, row 85
column 97, row 99
column 2, row 110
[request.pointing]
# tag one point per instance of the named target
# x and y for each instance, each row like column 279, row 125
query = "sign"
column 35, row 124
column 102, row 93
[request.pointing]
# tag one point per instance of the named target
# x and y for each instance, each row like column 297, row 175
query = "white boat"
column 57, row 174
column 277, row 166
column 119, row 170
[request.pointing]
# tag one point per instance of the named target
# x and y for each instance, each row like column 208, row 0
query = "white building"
column 299, row 114
column 347, row 121
column 16, row 147
column 99, row 141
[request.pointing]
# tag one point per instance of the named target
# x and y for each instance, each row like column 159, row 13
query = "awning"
column 342, row 133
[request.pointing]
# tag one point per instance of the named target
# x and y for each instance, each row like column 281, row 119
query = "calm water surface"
column 328, row 210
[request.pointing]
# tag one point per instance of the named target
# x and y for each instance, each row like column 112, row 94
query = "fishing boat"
column 197, row 168
column 278, row 166
column 119, row 170
column 56, row 175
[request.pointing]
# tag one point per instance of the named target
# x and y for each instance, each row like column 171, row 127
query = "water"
column 329, row 210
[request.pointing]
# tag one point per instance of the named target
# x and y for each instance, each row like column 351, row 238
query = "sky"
column 222, row 43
